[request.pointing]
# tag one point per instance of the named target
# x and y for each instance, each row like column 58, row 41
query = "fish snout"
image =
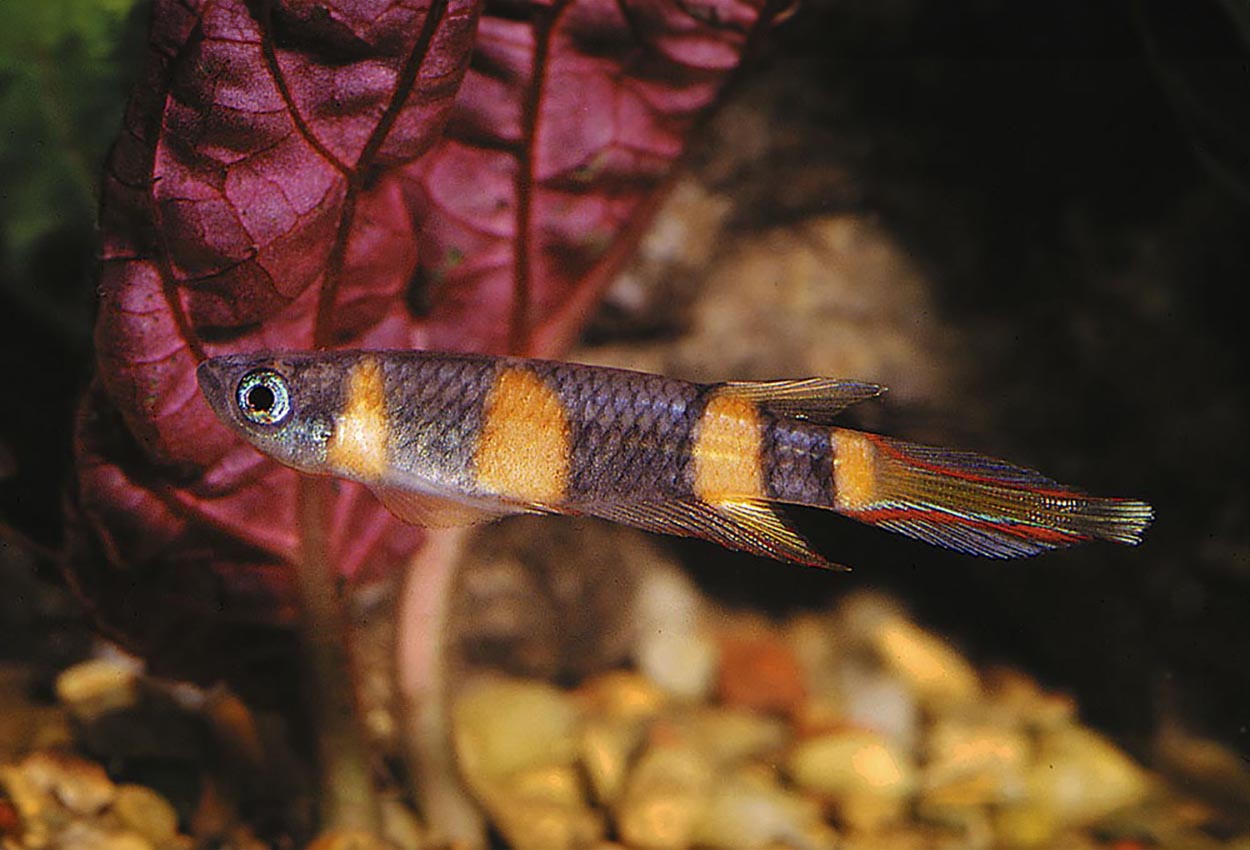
column 215, row 384
column 209, row 375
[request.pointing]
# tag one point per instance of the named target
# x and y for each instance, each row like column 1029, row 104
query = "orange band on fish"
column 358, row 443
column 854, row 470
column 523, row 451
column 727, row 450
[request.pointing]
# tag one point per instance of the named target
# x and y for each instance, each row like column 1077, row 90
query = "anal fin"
column 749, row 525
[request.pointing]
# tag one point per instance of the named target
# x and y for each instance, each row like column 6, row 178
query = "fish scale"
column 619, row 433
column 799, row 464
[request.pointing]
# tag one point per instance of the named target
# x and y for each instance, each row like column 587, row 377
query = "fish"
column 454, row 439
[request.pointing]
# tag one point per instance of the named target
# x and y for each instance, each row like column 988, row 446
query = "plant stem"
column 348, row 797
column 421, row 650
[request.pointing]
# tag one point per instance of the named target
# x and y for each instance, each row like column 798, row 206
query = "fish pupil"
column 260, row 399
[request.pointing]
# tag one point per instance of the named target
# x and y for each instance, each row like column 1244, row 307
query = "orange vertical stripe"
column 728, row 446
column 524, row 449
column 854, row 470
column 357, row 448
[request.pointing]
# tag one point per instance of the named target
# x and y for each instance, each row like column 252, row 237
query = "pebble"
column 674, row 648
column 97, row 687
column 622, row 694
column 544, row 809
column 347, row 839
column 837, row 762
column 937, row 673
column 729, row 736
column 558, row 784
column 1079, row 777
column 1029, row 824
column 90, row 836
column 750, row 812
column 759, row 671
column 82, row 787
column 24, row 726
column 856, row 731
column 1016, row 698
column 969, row 765
column 539, row 826
column 67, row 803
column 665, row 798
column 503, row 725
column 874, row 699
column 683, row 664
column 30, row 806
column 866, row 778
column 143, row 810
column 817, row 649
column 400, row 825
column 235, row 725
column 518, row 742
column 606, row 747
column 820, row 714
column 1202, row 764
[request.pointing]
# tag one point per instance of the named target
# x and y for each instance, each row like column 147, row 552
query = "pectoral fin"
column 430, row 511
column 749, row 525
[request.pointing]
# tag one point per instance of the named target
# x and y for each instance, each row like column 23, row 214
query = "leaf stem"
column 348, row 796
column 519, row 331
column 421, row 656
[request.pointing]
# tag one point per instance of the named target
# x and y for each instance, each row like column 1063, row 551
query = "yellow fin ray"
column 750, row 525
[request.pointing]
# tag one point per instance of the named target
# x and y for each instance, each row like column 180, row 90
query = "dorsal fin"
column 815, row 399
column 751, row 525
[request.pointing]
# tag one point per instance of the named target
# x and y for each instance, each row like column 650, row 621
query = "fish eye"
column 263, row 397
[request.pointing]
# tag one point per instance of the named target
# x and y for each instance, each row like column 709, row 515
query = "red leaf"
column 313, row 173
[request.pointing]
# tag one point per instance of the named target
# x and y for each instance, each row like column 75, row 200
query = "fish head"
column 282, row 404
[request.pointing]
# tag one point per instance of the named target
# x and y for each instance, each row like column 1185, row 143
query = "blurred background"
column 1062, row 191
column 1032, row 221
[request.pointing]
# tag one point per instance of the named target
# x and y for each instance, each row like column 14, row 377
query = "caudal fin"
column 970, row 502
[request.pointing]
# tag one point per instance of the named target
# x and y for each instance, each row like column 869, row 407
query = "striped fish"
column 452, row 439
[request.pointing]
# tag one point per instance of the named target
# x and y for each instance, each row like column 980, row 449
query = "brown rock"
column 759, row 671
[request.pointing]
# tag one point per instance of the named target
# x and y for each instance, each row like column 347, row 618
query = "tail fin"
column 970, row 502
